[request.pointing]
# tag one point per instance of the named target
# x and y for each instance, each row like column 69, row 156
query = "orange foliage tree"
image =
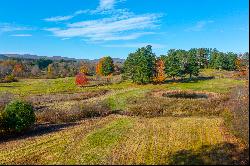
column 99, row 67
column 159, row 71
column 17, row 70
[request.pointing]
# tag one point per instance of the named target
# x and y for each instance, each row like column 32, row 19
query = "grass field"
column 122, row 139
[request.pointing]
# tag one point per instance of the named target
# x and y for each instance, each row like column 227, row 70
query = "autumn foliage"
column 81, row 79
column 99, row 67
column 159, row 72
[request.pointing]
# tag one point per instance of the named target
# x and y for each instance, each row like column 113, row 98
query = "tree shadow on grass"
column 224, row 153
column 194, row 79
column 37, row 130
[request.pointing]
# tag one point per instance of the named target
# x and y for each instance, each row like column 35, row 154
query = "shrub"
column 81, row 79
column 9, row 78
column 18, row 116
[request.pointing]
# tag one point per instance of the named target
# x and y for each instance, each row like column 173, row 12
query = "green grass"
column 219, row 85
column 27, row 87
column 119, row 101
column 119, row 140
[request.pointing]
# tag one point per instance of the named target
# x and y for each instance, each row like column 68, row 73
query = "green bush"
column 9, row 79
column 18, row 116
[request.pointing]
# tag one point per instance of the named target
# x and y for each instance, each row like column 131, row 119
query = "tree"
column 139, row 66
column 203, row 57
column 44, row 63
column 159, row 71
column 105, row 66
column 84, row 69
column 35, row 71
column 50, row 71
column 99, row 67
column 191, row 66
column 17, row 70
column 173, row 63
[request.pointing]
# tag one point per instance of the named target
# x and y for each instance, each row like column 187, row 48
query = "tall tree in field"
column 173, row 63
column 159, row 71
column 105, row 66
column 139, row 66
column 191, row 66
column 99, row 67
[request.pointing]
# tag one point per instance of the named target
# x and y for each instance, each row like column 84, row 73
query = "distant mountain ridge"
column 29, row 56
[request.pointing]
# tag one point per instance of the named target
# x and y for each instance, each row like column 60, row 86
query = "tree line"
column 143, row 66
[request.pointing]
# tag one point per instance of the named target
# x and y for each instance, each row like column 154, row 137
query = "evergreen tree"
column 139, row 66
column 191, row 66
column 173, row 65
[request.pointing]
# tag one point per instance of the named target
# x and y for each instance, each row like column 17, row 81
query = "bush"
column 18, row 116
column 9, row 78
column 81, row 79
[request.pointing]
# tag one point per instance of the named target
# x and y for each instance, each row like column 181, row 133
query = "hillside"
column 54, row 58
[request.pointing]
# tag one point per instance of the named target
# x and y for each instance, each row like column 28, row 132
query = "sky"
column 90, row 29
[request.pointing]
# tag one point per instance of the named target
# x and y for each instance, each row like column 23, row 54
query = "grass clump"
column 75, row 113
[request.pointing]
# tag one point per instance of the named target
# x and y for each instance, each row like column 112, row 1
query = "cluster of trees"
column 143, row 66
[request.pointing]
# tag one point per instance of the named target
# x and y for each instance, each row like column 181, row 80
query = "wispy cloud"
column 21, row 35
column 113, row 28
column 65, row 18
column 106, row 4
column 7, row 27
column 200, row 25
column 135, row 45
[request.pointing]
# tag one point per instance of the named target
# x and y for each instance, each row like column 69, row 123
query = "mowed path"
column 119, row 139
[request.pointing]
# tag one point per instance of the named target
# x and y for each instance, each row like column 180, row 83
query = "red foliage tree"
column 81, row 79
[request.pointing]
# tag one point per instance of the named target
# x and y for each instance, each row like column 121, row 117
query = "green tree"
column 107, row 66
column 139, row 66
column 173, row 65
column 43, row 63
column 191, row 65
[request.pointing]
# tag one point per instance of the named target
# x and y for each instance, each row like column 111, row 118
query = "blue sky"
column 95, row 28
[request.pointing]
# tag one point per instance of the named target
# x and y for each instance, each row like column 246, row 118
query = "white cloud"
column 136, row 45
column 21, row 35
column 7, row 27
column 106, row 4
column 58, row 18
column 200, row 25
column 65, row 38
column 114, row 28
column 65, row 18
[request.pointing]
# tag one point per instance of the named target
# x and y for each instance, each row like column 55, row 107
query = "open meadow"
column 126, row 123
